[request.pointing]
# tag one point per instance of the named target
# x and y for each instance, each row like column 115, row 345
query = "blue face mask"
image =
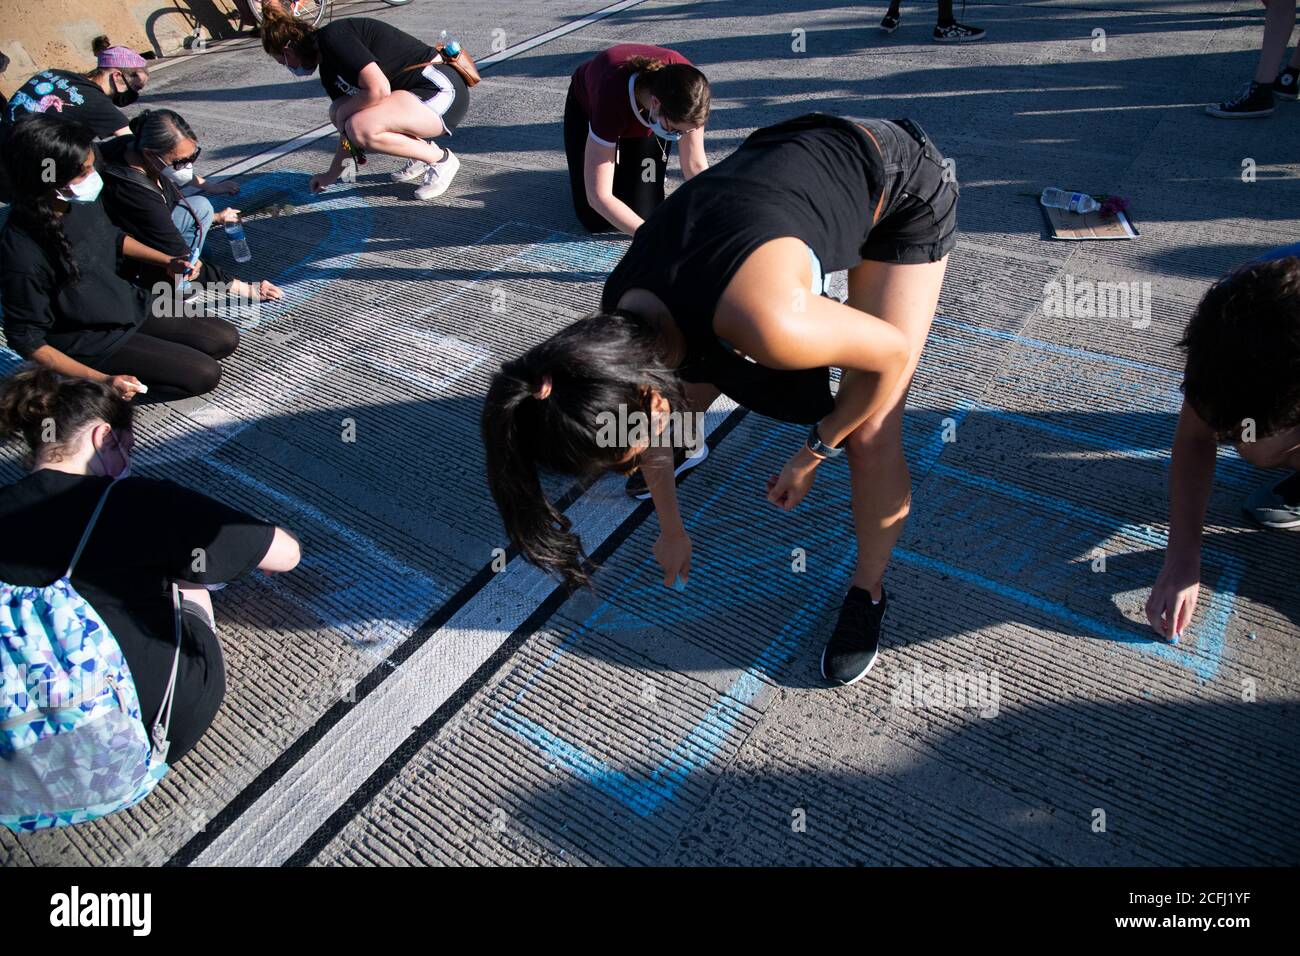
column 662, row 133
column 85, row 191
column 301, row 70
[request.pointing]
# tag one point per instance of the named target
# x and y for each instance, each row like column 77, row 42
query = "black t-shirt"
column 69, row 96
column 144, row 539
column 817, row 178
column 142, row 208
column 348, row 46
column 88, row 319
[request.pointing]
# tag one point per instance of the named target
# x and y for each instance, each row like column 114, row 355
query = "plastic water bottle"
column 238, row 244
column 449, row 45
column 1075, row 202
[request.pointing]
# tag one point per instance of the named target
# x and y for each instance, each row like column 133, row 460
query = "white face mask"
column 658, row 129
column 85, row 191
column 181, row 177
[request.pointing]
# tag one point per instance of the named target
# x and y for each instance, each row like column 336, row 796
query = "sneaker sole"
column 847, row 683
column 888, row 29
column 1225, row 114
column 1291, row 524
column 959, row 39
column 686, row 465
column 1286, row 96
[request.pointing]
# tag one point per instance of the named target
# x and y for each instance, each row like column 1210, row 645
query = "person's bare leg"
column 1279, row 21
column 197, row 594
column 399, row 126
column 906, row 297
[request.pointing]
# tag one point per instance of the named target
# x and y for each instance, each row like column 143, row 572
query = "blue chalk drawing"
column 370, row 586
column 349, row 221
column 645, row 795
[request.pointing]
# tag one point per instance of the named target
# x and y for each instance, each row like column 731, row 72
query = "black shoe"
column 853, row 646
column 1252, row 100
column 682, row 463
column 1286, row 84
column 890, row 22
column 957, row 33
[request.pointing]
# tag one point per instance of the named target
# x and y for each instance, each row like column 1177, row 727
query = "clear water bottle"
column 238, row 244
column 1075, row 202
column 449, row 45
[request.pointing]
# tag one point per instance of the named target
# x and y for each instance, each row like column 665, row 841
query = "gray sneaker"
column 1277, row 505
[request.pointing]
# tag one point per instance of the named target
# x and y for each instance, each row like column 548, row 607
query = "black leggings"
column 629, row 185
column 177, row 356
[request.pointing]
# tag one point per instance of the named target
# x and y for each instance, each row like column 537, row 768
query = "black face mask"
column 123, row 97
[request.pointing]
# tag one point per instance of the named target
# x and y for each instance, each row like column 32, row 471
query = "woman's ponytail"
column 511, row 417
column 543, row 413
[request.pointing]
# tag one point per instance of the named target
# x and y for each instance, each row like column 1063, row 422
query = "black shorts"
column 918, row 216
column 446, row 93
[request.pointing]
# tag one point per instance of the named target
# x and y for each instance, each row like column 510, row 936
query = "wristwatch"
column 820, row 448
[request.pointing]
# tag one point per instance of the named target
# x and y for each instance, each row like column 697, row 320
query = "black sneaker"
column 1286, row 83
column 1252, row 100
column 682, row 463
column 853, row 646
column 957, row 33
column 890, row 22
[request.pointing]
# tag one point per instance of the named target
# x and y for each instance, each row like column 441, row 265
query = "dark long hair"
column 595, row 365
column 34, row 397
column 36, row 142
column 159, row 130
column 681, row 88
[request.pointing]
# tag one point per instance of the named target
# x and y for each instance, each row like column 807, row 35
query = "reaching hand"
column 125, row 386
column 323, row 181
column 796, row 478
column 1173, row 599
column 673, row 552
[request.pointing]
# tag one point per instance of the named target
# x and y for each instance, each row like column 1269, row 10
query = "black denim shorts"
column 918, row 215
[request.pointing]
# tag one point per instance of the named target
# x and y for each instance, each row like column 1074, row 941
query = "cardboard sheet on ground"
column 1092, row 225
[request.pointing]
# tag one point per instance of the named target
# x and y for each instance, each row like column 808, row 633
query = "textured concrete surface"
column 396, row 701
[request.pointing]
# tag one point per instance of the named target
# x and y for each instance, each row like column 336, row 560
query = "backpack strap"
column 90, row 526
column 163, row 722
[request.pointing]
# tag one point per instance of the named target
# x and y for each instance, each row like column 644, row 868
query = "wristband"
column 820, row 448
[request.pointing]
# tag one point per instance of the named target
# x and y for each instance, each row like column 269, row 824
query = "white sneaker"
column 438, row 177
column 413, row 169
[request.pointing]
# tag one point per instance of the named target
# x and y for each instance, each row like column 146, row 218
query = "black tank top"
column 817, row 178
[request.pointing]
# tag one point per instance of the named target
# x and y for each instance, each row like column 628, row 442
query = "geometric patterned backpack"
column 73, row 746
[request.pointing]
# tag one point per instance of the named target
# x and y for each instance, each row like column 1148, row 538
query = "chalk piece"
column 679, row 585
column 1175, row 639
column 141, row 389
column 1252, row 635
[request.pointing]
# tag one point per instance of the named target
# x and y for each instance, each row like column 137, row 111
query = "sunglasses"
column 179, row 164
